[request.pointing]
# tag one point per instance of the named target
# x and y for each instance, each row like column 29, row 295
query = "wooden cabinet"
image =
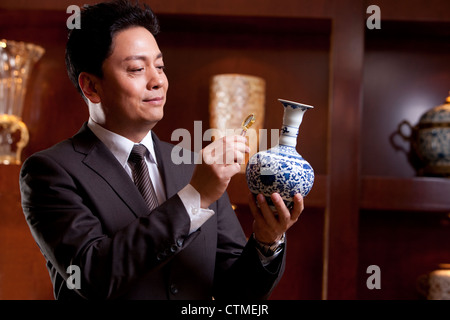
column 404, row 222
column 23, row 274
column 362, row 82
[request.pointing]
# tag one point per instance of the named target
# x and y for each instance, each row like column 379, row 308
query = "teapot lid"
column 438, row 114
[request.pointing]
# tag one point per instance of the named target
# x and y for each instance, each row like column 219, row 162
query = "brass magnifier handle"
column 247, row 123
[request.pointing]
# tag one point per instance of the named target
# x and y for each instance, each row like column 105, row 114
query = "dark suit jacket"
column 83, row 209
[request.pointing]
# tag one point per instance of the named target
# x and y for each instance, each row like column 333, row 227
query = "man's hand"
column 269, row 227
column 220, row 161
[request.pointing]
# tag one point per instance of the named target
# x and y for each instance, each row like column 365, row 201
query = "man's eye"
column 136, row 69
column 162, row 68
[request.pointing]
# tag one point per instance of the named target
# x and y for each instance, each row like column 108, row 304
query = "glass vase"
column 16, row 62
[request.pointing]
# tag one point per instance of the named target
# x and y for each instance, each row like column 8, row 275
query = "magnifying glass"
column 247, row 123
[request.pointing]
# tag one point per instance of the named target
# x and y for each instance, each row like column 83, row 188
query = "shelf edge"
column 405, row 194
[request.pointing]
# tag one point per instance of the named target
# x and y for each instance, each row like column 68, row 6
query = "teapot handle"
column 400, row 130
column 412, row 138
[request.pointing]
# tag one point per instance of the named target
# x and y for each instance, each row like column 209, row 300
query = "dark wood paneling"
column 295, row 8
column 405, row 245
column 342, row 211
column 413, row 10
column 401, row 194
column 23, row 274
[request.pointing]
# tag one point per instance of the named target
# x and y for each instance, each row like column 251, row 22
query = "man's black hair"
column 90, row 45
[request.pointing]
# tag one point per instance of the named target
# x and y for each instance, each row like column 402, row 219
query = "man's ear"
column 89, row 84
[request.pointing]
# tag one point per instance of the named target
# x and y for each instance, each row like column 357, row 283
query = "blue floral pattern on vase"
column 434, row 145
column 282, row 169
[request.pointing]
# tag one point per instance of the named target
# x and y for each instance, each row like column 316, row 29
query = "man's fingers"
column 266, row 211
column 284, row 215
column 299, row 205
column 226, row 151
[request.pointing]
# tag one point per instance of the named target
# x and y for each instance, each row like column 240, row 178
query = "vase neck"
column 291, row 123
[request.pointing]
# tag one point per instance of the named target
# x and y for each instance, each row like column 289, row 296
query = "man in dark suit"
column 83, row 200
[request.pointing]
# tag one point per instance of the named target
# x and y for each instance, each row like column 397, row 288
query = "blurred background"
column 369, row 205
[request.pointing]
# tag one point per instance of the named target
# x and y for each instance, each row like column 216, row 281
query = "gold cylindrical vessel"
column 232, row 98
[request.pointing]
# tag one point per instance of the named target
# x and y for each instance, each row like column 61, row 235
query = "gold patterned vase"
column 232, row 98
column 16, row 62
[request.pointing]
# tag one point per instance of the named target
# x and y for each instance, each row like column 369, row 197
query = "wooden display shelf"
column 405, row 194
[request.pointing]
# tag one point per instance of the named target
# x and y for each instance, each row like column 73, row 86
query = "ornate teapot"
column 430, row 141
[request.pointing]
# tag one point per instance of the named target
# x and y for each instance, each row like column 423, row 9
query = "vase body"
column 282, row 169
column 16, row 62
column 232, row 98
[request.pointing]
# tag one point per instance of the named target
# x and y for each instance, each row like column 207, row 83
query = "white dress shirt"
column 121, row 148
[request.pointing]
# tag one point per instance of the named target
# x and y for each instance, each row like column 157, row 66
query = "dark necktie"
column 141, row 176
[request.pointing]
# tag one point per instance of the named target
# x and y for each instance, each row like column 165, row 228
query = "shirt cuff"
column 191, row 200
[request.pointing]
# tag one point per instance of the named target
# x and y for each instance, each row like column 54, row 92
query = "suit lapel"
column 175, row 177
column 99, row 159
column 102, row 161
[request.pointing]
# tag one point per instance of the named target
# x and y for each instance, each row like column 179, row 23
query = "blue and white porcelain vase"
column 282, row 169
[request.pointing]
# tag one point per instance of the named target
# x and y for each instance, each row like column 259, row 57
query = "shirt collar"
column 120, row 146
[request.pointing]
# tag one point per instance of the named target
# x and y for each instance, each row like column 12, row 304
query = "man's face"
column 134, row 86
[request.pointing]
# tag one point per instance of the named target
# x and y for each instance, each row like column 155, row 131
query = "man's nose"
column 156, row 80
